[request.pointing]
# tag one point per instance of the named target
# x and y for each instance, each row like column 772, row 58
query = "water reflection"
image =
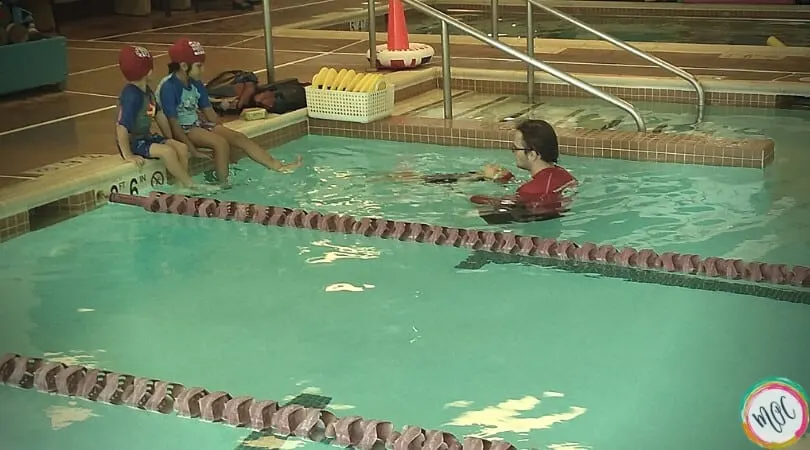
column 336, row 252
column 65, row 416
column 505, row 417
column 75, row 357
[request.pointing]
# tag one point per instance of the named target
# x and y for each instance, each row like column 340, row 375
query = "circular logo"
column 775, row 413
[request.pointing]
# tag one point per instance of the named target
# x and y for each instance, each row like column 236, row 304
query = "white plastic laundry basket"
column 361, row 107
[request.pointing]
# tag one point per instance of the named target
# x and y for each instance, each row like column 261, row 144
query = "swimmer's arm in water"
column 509, row 200
column 522, row 208
column 446, row 178
column 393, row 176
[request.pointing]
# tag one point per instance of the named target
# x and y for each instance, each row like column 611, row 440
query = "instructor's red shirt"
column 545, row 189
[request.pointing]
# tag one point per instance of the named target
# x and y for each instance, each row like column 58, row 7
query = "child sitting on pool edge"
column 183, row 98
column 137, row 109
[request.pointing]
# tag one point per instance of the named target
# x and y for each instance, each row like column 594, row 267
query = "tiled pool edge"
column 51, row 199
column 657, row 147
column 670, row 90
column 752, row 94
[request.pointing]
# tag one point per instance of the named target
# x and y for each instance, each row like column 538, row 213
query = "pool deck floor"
column 41, row 128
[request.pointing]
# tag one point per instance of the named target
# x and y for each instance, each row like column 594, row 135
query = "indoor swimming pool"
column 542, row 357
column 646, row 28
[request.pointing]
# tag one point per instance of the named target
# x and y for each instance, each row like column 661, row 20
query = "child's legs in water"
column 240, row 141
column 202, row 137
column 156, row 146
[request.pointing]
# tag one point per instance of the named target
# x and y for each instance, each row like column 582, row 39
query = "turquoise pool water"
column 386, row 329
column 645, row 28
column 542, row 357
column 746, row 212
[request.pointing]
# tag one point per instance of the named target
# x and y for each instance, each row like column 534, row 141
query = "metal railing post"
column 494, row 6
column 530, row 51
column 446, row 75
column 372, row 34
column 268, row 42
column 558, row 74
column 691, row 79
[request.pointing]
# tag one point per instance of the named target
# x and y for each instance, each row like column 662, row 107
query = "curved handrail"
column 691, row 79
column 560, row 75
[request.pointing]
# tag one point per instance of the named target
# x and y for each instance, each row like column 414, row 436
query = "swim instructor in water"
column 536, row 150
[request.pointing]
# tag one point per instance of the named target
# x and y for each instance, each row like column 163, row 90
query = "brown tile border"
column 49, row 214
column 78, row 204
column 416, row 89
column 65, row 208
column 13, row 226
column 283, row 135
column 626, row 93
column 672, row 148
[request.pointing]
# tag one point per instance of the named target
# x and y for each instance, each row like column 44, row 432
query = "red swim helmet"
column 186, row 51
column 135, row 62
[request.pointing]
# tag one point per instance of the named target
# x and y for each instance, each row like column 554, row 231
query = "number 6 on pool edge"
column 133, row 187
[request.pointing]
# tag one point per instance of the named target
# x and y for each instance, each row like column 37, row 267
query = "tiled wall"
column 13, row 226
column 674, row 148
column 48, row 214
column 626, row 93
column 640, row 10
column 416, row 89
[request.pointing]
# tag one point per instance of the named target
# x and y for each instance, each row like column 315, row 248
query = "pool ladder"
column 529, row 58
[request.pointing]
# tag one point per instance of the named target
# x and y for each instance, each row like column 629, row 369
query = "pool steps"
column 469, row 105
column 490, row 241
column 218, row 406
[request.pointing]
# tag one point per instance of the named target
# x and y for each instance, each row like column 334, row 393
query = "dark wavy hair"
column 540, row 138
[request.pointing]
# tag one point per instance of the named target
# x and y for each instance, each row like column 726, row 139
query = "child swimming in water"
column 490, row 172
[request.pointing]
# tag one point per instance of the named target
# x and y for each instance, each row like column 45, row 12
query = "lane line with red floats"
column 488, row 241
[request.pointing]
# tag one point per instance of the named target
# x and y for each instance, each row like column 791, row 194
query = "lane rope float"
column 218, row 406
column 491, row 241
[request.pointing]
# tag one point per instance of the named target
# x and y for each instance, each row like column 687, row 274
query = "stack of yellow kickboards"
column 348, row 80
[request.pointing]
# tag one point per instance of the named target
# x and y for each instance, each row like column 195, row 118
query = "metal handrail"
column 629, row 48
column 560, row 75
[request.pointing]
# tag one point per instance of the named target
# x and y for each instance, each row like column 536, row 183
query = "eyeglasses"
column 515, row 148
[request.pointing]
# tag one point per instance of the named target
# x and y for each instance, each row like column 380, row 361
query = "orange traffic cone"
column 397, row 28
